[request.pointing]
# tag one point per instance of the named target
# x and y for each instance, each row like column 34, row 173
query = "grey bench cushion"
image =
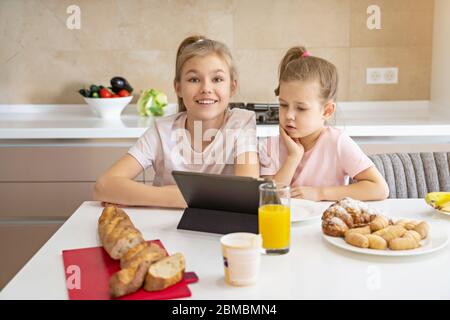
column 413, row 175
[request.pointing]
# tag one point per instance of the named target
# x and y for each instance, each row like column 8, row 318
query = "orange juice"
column 274, row 225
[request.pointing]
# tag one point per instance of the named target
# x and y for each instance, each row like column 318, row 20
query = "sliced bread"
column 165, row 273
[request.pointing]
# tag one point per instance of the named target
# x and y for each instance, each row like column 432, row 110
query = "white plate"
column 443, row 212
column 436, row 240
column 305, row 210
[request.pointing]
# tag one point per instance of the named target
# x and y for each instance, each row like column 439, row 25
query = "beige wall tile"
column 414, row 73
column 395, row 6
column 150, row 69
column 150, row 25
column 258, row 71
column 280, row 24
column 56, row 76
column 340, row 57
column 403, row 23
column 258, row 74
column 41, row 61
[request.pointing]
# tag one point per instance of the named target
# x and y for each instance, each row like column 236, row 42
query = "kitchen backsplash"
column 44, row 61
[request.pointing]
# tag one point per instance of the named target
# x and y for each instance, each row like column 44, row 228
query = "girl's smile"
column 206, row 102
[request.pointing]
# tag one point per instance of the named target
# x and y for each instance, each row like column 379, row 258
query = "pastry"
column 376, row 242
column 403, row 243
column 361, row 230
column 357, row 239
column 422, row 229
column 334, row 227
column 391, row 232
column 378, row 223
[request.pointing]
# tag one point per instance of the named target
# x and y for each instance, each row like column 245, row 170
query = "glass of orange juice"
column 274, row 218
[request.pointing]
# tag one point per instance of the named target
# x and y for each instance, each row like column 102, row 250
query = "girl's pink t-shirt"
column 332, row 160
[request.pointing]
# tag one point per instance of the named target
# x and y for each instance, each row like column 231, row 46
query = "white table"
column 313, row 269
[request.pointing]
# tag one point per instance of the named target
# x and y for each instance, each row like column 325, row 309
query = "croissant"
column 344, row 215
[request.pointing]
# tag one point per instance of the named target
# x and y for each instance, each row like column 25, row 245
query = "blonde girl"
column 315, row 159
column 206, row 136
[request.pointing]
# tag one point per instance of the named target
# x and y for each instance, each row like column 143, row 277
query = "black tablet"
column 219, row 203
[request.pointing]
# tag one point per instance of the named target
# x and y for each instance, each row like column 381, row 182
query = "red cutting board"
column 93, row 267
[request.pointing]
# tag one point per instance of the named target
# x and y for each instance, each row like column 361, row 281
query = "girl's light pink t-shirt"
column 333, row 159
column 166, row 146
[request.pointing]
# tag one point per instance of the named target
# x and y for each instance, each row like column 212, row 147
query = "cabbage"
column 152, row 103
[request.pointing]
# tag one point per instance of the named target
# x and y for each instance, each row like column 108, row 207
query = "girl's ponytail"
column 298, row 65
column 292, row 54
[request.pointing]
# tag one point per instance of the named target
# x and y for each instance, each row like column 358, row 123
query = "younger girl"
column 315, row 159
column 205, row 137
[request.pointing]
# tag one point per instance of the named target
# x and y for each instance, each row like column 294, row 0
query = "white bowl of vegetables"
column 108, row 107
column 108, row 102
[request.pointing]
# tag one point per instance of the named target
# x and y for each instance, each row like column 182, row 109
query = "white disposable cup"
column 241, row 257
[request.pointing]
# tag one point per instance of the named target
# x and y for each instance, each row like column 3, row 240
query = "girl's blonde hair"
column 297, row 64
column 195, row 46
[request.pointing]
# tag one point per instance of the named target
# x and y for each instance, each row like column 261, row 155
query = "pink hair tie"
column 305, row 54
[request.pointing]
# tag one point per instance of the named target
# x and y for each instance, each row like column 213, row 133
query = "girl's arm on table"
column 287, row 170
column 369, row 185
column 118, row 187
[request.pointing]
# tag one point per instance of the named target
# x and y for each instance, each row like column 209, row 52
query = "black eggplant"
column 119, row 83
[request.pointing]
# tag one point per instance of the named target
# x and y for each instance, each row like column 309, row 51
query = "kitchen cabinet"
column 41, row 185
column 19, row 241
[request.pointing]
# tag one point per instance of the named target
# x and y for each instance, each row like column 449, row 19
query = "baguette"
column 128, row 280
column 151, row 253
column 117, row 233
column 165, row 273
column 122, row 240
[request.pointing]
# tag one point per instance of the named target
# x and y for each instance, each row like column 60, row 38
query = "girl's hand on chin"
column 295, row 148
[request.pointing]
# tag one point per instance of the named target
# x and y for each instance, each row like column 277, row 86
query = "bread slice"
column 165, row 273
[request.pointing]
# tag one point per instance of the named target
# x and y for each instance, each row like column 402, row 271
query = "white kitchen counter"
column 313, row 269
column 374, row 119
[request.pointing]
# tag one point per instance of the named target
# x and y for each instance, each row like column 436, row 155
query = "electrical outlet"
column 390, row 75
column 381, row 75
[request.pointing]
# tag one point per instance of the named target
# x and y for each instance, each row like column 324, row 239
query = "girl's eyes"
column 282, row 105
column 218, row 79
column 215, row 80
